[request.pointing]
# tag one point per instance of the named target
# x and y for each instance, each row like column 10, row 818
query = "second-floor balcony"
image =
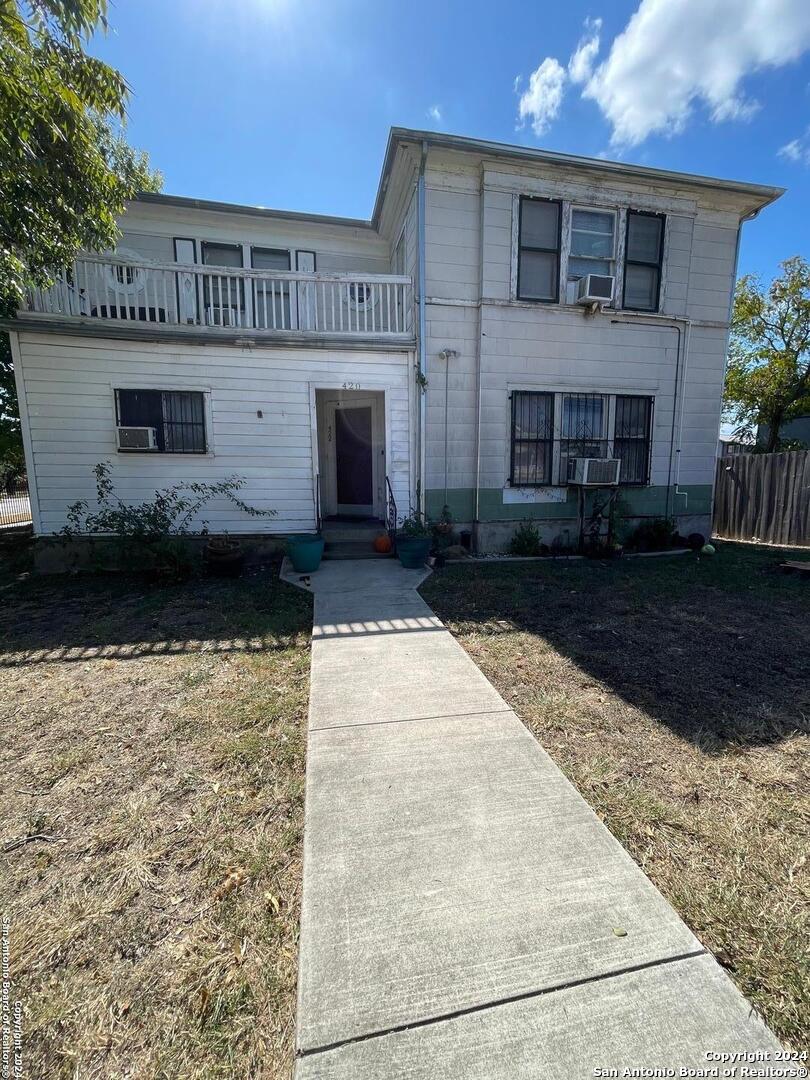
column 281, row 303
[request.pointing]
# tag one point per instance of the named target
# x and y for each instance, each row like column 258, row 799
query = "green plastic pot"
column 413, row 550
column 305, row 551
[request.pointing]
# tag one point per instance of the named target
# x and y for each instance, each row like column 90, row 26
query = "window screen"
column 592, row 243
column 539, row 255
column 178, row 417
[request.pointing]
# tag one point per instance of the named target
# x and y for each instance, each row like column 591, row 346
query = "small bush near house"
column 148, row 537
column 654, row 535
column 415, row 525
column 442, row 530
column 526, row 540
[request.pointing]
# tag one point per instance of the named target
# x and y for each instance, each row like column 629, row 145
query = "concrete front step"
column 355, row 531
column 349, row 549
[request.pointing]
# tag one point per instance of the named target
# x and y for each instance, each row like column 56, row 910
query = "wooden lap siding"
column 69, row 388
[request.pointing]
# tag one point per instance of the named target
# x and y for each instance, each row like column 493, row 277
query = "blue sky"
column 287, row 103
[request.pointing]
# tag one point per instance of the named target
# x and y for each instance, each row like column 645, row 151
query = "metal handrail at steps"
column 391, row 514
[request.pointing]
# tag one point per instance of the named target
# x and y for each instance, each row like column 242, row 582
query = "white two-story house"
column 503, row 312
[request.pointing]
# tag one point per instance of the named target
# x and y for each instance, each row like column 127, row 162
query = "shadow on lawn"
column 63, row 620
column 718, row 651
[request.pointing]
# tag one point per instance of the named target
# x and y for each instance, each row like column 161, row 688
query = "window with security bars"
column 631, row 438
column 551, row 429
column 583, row 428
column 178, row 417
column 532, row 438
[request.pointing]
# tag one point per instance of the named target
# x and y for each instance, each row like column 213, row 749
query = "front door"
column 352, row 452
column 353, row 460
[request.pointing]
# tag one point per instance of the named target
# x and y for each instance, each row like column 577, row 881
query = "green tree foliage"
column 768, row 377
column 65, row 168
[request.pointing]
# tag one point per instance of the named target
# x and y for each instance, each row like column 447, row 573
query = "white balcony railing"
column 176, row 294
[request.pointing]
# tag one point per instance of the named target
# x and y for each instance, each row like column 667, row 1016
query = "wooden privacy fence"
column 763, row 497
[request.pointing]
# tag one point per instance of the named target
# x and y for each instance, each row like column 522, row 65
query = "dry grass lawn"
column 153, row 769
column 675, row 693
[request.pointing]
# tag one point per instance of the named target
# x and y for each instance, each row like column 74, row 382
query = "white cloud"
column 797, row 150
column 435, row 113
column 540, row 102
column 674, row 54
column 580, row 66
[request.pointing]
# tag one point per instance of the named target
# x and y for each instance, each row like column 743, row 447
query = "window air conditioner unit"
column 222, row 316
column 595, row 289
column 594, row 472
column 137, row 438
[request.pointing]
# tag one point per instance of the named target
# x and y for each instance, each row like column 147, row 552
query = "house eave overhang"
column 184, row 202
column 752, row 197
column 212, row 335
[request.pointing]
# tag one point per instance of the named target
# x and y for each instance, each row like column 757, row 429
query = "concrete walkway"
column 465, row 913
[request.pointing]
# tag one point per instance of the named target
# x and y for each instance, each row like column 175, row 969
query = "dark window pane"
column 184, row 422
column 538, row 275
column 139, row 408
column 532, row 437
column 532, row 464
column 631, row 441
column 222, row 255
column 178, row 417
column 271, row 299
column 644, row 237
column 270, row 259
column 641, row 287
column 539, row 224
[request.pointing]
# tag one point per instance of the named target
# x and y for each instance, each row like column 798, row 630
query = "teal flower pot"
column 305, row 551
column 413, row 550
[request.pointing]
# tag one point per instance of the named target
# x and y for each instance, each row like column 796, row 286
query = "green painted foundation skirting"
column 634, row 503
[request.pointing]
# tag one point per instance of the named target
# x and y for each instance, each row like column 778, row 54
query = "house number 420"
column 351, row 386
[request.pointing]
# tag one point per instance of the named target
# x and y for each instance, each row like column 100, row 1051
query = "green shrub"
column 653, row 535
column 415, row 525
column 150, row 537
column 526, row 540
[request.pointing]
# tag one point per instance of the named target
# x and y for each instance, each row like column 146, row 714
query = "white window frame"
column 609, row 428
column 619, row 211
column 183, row 388
column 612, row 212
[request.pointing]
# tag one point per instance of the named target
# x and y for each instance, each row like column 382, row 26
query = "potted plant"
column 305, row 551
column 414, row 541
column 224, row 557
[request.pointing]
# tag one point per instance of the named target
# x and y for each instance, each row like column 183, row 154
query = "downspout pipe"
column 421, row 353
column 669, row 323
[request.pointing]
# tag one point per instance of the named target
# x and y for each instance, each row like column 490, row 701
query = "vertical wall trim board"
column 25, row 427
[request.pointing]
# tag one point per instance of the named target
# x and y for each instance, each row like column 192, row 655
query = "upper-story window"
column 643, row 258
column 271, row 304
column 223, row 295
column 593, row 243
column 539, row 249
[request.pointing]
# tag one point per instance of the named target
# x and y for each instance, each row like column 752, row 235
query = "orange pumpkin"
column 382, row 543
